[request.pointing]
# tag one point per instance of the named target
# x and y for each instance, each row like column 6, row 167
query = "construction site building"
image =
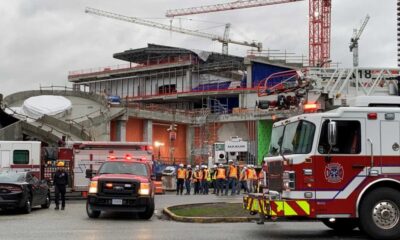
column 211, row 97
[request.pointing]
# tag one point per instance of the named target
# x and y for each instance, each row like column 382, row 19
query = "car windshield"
column 293, row 138
column 133, row 168
column 11, row 177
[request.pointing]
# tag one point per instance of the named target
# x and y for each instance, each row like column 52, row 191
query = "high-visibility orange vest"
column 250, row 174
column 181, row 173
column 232, row 171
column 254, row 174
column 200, row 175
column 221, row 173
column 261, row 175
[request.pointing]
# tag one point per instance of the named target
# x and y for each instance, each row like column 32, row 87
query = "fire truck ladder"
column 341, row 84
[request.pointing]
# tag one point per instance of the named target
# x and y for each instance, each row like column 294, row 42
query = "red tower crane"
column 319, row 23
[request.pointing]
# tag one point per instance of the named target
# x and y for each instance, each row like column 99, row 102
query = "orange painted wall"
column 161, row 134
column 134, row 130
column 113, row 131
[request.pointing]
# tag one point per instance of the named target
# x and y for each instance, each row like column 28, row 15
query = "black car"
column 23, row 191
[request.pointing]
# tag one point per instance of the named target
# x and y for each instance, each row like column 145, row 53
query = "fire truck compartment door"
column 5, row 159
column 390, row 142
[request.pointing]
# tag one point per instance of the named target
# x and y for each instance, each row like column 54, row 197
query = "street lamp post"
column 158, row 145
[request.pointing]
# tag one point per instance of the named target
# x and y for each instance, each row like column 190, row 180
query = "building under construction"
column 208, row 97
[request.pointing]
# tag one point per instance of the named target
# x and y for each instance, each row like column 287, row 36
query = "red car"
column 121, row 186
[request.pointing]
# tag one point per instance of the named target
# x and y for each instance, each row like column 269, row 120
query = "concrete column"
column 121, row 130
column 189, row 84
column 148, row 131
column 189, row 143
column 249, row 76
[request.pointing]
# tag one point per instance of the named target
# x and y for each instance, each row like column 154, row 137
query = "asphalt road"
column 73, row 223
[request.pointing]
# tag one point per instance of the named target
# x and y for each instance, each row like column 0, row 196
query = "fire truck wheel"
column 92, row 213
column 46, row 204
column 341, row 224
column 149, row 211
column 380, row 214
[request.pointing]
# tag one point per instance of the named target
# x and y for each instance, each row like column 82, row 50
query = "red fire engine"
column 341, row 167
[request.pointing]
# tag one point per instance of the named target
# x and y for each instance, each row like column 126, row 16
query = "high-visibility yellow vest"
column 232, row 171
column 207, row 175
column 181, row 173
column 221, row 173
column 214, row 175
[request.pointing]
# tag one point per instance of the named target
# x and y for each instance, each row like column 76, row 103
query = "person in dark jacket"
column 60, row 182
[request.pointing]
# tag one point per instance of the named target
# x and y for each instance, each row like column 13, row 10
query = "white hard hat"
column 230, row 161
column 197, row 166
column 220, row 165
column 205, row 166
column 244, row 167
column 180, row 164
column 215, row 166
column 189, row 166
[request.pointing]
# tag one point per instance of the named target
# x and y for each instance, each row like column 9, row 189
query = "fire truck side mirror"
column 332, row 133
column 89, row 173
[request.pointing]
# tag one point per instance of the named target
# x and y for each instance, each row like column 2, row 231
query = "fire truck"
column 341, row 167
column 77, row 156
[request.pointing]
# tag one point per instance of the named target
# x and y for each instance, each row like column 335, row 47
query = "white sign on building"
column 235, row 146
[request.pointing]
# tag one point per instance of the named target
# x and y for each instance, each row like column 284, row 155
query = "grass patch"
column 211, row 210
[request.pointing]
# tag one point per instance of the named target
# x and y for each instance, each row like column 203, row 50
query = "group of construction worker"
column 221, row 178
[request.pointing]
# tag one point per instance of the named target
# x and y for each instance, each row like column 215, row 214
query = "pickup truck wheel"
column 380, row 214
column 149, row 211
column 92, row 213
column 46, row 204
column 341, row 224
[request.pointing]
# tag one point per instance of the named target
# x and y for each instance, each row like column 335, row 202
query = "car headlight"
column 93, row 187
column 144, row 189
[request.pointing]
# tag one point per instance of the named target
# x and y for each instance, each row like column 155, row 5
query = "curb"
column 178, row 218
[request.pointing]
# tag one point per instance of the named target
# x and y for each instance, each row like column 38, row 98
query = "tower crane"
column 224, row 40
column 354, row 40
column 319, row 22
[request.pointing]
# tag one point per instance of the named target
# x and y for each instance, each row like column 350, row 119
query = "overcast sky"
column 42, row 40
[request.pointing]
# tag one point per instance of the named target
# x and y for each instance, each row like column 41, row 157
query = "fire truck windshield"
column 116, row 167
column 293, row 138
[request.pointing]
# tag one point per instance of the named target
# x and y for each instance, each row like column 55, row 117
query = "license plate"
column 116, row 202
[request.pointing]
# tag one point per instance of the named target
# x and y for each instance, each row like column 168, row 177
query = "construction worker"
column 196, row 179
column 188, row 179
column 201, row 178
column 255, row 179
column 250, row 177
column 262, row 177
column 243, row 180
column 214, row 178
column 180, row 179
column 60, row 181
column 206, row 179
column 232, row 178
column 221, row 176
